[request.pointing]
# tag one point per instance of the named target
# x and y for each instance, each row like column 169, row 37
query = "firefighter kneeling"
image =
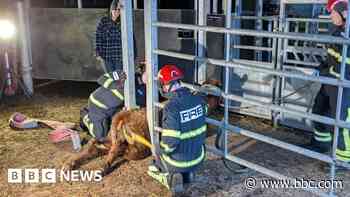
column 181, row 148
column 106, row 101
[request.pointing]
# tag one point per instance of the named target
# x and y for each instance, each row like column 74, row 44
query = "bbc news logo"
column 52, row 176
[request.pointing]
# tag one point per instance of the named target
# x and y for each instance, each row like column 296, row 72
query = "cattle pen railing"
column 152, row 51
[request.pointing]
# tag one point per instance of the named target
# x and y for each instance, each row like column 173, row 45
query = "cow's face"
column 213, row 101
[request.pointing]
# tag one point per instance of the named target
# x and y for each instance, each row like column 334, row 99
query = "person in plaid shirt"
column 108, row 39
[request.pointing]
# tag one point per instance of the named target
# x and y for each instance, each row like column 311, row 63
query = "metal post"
column 284, row 57
column 274, row 56
column 340, row 98
column 128, row 52
column 135, row 4
column 296, row 30
column 80, row 4
column 196, row 38
column 28, row 28
column 279, row 63
column 237, row 25
column 196, row 9
column 269, row 42
column 259, row 27
column 207, row 7
column 215, row 6
column 151, row 42
column 307, row 57
column 227, row 69
column 202, row 40
column 316, row 11
column 26, row 65
column 236, row 38
column 305, row 44
column 224, row 6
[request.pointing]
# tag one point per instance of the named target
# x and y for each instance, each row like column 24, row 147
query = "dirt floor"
column 62, row 101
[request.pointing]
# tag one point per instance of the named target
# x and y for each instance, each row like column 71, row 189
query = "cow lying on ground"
column 117, row 143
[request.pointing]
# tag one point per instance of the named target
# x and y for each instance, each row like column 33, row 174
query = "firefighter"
column 181, row 148
column 106, row 100
column 326, row 99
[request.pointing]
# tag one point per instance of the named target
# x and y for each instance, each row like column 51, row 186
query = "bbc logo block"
column 14, row 175
column 48, row 176
column 31, row 176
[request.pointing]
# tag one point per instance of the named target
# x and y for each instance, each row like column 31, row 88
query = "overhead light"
column 7, row 29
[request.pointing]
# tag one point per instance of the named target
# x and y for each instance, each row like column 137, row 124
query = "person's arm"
column 112, row 80
column 171, row 133
column 100, row 36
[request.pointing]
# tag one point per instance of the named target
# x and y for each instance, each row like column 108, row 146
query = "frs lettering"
column 191, row 114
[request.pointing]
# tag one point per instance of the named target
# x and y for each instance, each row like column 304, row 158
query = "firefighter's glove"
column 322, row 65
column 99, row 58
column 323, row 68
column 119, row 76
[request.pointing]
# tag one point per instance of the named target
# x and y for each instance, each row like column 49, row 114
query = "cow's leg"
column 118, row 148
column 90, row 151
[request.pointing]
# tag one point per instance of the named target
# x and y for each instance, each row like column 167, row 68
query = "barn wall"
column 63, row 42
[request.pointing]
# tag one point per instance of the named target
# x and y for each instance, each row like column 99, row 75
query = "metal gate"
column 152, row 24
column 301, row 57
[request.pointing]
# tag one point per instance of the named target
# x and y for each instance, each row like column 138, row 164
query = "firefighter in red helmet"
column 183, row 133
column 326, row 99
column 338, row 11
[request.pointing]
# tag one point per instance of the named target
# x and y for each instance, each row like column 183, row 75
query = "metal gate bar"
column 228, row 23
column 152, row 51
column 248, row 65
column 151, row 41
column 258, row 26
column 128, row 52
column 291, row 36
column 340, row 96
column 201, row 45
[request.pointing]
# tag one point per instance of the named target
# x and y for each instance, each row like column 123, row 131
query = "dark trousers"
column 97, row 128
column 326, row 105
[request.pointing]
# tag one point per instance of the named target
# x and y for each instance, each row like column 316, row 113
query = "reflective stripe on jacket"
column 184, row 131
column 335, row 57
column 105, row 101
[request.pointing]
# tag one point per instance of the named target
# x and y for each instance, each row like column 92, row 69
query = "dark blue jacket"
column 106, row 100
column 334, row 57
column 184, row 131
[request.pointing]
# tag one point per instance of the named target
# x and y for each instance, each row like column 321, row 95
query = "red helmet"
column 332, row 3
column 169, row 73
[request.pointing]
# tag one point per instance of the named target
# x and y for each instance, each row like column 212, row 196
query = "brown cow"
column 117, row 145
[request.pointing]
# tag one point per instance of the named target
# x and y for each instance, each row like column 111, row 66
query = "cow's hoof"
column 106, row 169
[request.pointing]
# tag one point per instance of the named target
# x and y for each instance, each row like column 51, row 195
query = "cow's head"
column 214, row 86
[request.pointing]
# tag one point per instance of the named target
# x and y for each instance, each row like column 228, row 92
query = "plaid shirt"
column 108, row 41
